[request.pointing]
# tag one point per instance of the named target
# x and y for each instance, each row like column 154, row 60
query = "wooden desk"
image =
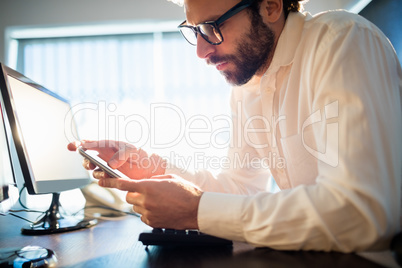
column 115, row 244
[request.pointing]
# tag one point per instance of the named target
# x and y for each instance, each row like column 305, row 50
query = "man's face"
column 248, row 42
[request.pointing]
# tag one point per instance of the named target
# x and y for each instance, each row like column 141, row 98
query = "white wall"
column 66, row 12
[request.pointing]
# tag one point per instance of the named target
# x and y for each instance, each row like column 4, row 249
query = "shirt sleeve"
column 355, row 205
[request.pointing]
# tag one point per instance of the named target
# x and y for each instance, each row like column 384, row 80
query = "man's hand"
column 132, row 161
column 162, row 201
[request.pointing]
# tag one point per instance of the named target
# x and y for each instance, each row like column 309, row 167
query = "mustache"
column 217, row 59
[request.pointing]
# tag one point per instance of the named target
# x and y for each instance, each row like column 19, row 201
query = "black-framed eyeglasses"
column 210, row 30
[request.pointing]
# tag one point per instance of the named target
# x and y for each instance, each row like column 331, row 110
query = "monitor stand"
column 53, row 222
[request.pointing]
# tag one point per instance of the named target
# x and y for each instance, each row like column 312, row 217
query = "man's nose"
column 204, row 49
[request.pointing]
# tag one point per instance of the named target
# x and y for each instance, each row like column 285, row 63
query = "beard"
column 252, row 53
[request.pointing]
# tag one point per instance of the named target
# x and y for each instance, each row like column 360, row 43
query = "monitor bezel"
column 5, row 122
column 4, row 184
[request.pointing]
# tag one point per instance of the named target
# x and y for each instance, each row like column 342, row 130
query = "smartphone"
column 93, row 157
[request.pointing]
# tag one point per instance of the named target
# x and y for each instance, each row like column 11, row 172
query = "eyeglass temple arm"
column 234, row 10
column 231, row 12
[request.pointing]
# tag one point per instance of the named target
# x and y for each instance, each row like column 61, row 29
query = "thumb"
column 72, row 146
column 164, row 176
column 127, row 153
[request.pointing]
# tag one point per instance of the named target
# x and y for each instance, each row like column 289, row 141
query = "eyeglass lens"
column 210, row 32
column 207, row 31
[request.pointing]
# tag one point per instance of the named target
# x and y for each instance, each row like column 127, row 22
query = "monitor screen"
column 41, row 124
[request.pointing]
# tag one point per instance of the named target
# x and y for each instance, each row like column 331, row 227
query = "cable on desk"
column 109, row 208
column 26, row 209
column 19, row 197
column 17, row 216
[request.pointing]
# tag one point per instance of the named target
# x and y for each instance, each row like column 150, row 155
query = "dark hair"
column 291, row 6
column 288, row 6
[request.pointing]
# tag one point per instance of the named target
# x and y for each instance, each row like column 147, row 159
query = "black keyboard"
column 170, row 237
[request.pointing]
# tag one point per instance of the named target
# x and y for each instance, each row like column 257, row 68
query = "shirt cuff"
column 220, row 215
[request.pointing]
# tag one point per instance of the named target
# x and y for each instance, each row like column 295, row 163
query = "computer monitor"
column 39, row 122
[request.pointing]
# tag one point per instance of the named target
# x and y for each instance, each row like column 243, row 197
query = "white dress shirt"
column 325, row 121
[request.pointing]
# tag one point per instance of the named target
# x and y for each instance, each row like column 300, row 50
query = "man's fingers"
column 93, row 145
column 144, row 219
column 135, row 198
column 139, row 209
column 72, row 146
column 87, row 164
column 100, row 174
column 127, row 153
column 117, row 160
column 122, row 184
column 164, row 176
column 86, row 144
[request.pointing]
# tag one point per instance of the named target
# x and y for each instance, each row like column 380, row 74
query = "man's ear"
column 271, row 10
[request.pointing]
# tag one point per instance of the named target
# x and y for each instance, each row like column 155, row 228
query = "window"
column 146, row 87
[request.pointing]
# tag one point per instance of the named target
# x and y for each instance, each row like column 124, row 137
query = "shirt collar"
column 288, row 41
column 285, row 49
